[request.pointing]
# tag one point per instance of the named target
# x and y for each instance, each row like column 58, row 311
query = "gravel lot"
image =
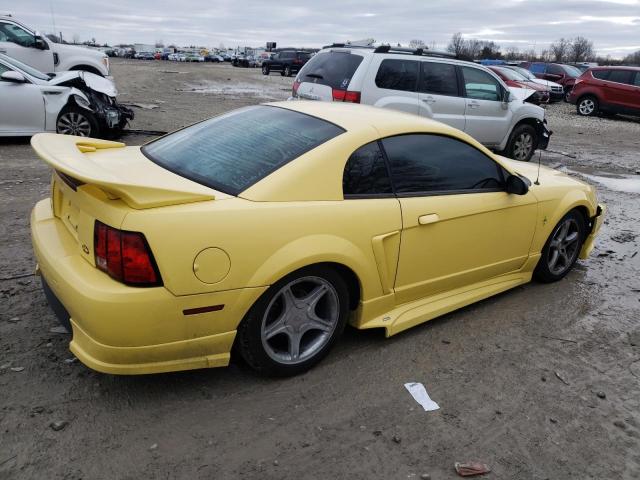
column 542, row 382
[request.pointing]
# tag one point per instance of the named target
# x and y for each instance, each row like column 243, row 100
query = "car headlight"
column 82, row 102
column 105, row 62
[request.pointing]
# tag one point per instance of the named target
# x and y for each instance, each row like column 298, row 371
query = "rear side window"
column 334, row 69
column 437, row 164
column 366, row 172
column 233, row 151
column 600, row 74
column 621, row 76
column 636, row 82
column 480, row 85
column 439, row 78
column 398, row 75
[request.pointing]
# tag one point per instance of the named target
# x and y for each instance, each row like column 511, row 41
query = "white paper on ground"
column 420, row 395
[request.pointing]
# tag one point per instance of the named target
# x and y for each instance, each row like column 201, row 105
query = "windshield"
column 233, row 151
column 524, row 72
column 25, row 68
column 512, row 74
column 334, row 69
column 572, row 71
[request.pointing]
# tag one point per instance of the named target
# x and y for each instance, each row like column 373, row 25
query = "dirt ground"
column 541, row 382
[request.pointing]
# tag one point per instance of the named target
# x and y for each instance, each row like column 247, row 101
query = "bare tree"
column 581, row 50
column 416, row 43
column 633, row 58
column 560, row 49
column 457, row 45
column 513, row 53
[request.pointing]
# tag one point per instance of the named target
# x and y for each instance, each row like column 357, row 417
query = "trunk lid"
column 327, row 72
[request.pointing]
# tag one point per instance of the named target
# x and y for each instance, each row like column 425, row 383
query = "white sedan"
column 73, row 103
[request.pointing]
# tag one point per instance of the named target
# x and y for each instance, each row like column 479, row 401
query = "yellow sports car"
column 266, row 229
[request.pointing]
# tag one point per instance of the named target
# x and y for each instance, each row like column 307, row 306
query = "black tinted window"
column 636, row 82
column 600, row 74
column 398, row 75
column 480, row 84
column 366, row 172
column 555, row 70
column 439, row 78
column 621, row 76
column 334, row 69
column 287, row 54
column 233, row 151
column 433, row 163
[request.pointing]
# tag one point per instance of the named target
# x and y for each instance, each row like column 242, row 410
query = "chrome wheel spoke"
column 294, row 345
column 275, row 328
column 571, row 238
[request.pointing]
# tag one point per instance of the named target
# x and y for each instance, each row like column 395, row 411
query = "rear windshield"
column 233, row 151
column 334, row 69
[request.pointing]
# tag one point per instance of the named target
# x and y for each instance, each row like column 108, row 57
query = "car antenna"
column 537, row 182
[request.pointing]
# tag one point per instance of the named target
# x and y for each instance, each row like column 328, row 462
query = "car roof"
column 613, row 67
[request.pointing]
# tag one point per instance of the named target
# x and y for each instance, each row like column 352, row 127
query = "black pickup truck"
column 287, row 62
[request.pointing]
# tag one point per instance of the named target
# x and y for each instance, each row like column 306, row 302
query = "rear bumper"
column 127, row 330
column 596, row 223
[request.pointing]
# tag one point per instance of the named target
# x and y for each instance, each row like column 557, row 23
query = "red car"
column 517, row 80
column 607, row 90
column 560, row 73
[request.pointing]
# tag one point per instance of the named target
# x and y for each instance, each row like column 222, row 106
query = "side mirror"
column 40, row 44
column 506, row 96
column 14, row 77
column 516, row 185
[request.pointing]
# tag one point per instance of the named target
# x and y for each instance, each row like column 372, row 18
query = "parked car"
column 75, row 102
column 178, row 271
column 212, row 57
column 28, row 46
column 181, row 57
column 462, row 94
column 565, row 75
column 556, row 90
column 516, row 80
column 145, row 56
column 194, row 57
column 246, row 61
column 287, row 62
column 607, row 90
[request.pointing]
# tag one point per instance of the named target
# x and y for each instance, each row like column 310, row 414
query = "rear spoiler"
column 130, row 176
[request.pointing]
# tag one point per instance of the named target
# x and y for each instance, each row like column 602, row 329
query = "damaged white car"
column 73, row 103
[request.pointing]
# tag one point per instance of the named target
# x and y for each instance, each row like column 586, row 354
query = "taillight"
column 345, row 96
column 125, row 256
column 294, row 90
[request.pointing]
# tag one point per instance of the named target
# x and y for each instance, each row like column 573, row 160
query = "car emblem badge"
column 85, row 249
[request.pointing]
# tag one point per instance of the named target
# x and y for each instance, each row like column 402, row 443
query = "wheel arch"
column 87, row 68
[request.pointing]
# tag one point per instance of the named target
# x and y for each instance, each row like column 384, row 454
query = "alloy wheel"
column 563, row 248
column 73, row 123
column 522, row 146
column 587, row 106
column 300, row 320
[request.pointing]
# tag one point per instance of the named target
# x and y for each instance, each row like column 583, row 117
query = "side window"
column 366, row 172
column 600, row 74
column 621, row 76
column 13, row 33
column 438, row 78
column 636, row 82
column 481, row 85
column 398, row 75
column 537, row 68
column 423, row 163
column 284, row 55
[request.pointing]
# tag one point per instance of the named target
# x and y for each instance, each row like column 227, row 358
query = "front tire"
column 265, row 70
column 522, row 143
column 287, row 71
column 74, row 120
column 587, row 106
column 295, row 323
column 562, row 248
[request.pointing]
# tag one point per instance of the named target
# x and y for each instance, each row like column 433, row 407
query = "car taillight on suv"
column 345, row 96
column 125, row 256
column 294, row 89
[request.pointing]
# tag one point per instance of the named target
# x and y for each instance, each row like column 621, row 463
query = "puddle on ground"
column 269, row 91
column 619, row 183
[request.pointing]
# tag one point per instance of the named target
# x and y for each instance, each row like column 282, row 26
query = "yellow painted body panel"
column 414, row 258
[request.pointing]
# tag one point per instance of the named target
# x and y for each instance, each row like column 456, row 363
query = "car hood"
column 73, row 49
column 91, row 80
column 521, row 93
column 546, row 83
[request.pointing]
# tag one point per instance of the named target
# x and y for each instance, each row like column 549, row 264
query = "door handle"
column 429, row 218
column 474, row 105
column 429, row 100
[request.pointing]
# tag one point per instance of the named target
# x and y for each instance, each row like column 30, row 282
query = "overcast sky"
column 613, row 25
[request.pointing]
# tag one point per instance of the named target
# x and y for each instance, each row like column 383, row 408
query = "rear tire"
column 74, row 120
column 265, row 70
column 295, row 323
column 562, row 248
column 522, row 143
column 587, row 106
column 287, row 71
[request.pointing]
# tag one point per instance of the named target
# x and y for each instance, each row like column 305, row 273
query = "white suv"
column 28, row 46
column 462, row 94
